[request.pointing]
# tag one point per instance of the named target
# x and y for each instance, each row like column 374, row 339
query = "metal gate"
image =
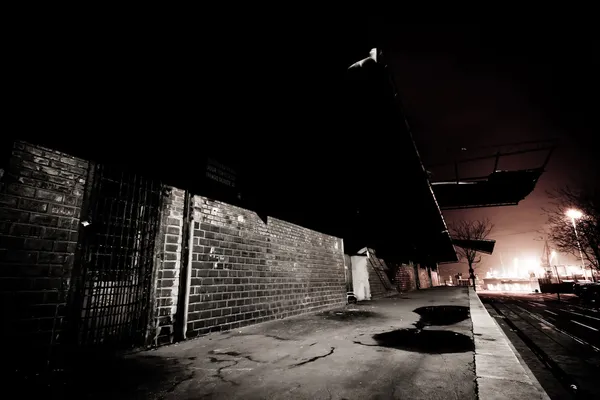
column 113, row 281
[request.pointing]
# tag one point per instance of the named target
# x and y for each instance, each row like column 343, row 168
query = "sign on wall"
column 220, row 173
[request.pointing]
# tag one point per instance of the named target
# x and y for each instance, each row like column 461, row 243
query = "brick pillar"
column 41, row 193
column 169, row 245
column 405, row 278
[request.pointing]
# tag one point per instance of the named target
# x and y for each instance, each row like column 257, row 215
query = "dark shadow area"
column 440, row 315
column 424, row 341
column 95, row 376
column 347, row 315
column 429, row 341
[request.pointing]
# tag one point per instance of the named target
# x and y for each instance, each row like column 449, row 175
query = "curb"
column 499, row 370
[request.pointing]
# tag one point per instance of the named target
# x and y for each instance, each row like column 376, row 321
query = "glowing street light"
column 575, row 215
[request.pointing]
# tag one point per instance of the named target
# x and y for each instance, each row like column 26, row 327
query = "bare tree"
column 583, row 239
column 471, row 230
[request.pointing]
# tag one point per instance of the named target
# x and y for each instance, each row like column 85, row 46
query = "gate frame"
column 76, row 293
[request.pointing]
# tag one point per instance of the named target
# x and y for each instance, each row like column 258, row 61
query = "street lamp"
column 574, row 215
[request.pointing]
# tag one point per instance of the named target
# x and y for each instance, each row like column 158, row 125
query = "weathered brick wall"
column 424, row 280
column 245, row 271
column 405, row 278
column 41, row 194
column 168, row 265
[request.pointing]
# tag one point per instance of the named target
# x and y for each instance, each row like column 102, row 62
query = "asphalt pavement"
column 417, row 345
column 563, row 335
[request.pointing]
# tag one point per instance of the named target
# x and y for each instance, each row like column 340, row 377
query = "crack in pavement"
column 179, row 382
column 216, row 360
column 249, row 358
column 220, row 370
column 364, row 344
column 219, row 373
column 278, row 337
column 474, row 365
column 313, row 359
column 281, row 338
column 232, row 354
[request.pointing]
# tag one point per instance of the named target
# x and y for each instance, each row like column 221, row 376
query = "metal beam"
column 512, row 153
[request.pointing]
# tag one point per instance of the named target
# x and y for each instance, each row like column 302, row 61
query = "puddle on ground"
column 423, row 341
column 441, row 315
column 348, row 315
column 429, row 341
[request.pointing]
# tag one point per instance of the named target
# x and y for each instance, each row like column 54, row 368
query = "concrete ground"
column 501, row 371
column 413, row 346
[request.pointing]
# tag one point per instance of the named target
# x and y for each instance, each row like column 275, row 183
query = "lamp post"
column 574, row 215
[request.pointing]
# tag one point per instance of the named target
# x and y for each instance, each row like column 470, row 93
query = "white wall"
column 360, row 278
column 435, row 280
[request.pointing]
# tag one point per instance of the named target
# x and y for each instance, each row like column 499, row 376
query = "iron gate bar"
column 131, row 252
column 140, row 258
column 116, row 271
column 120, row 296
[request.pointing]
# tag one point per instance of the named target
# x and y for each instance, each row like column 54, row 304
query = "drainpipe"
column 185, row 276
column 345, row 266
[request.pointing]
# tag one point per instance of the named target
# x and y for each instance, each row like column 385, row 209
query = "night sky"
column 474, row 87
column 267, row 94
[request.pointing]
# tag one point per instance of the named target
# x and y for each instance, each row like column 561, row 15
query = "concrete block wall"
column 405, row 278
column 41, row 194
column 348, row 269
column 246, row 271
column 435, row 280
column 168, row 265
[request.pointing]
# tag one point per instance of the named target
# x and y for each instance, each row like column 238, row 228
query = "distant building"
column 511, row 284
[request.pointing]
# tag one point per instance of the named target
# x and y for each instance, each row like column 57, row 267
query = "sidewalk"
column 418, row 345
column 501, row 374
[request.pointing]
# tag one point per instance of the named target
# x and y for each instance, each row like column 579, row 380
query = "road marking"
column 575, row 338
column 553, row 313
column 583, row 308
column 537, row 304
column 579, row 323
column 583, row 315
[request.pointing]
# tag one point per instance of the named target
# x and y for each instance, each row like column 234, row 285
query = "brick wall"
column 245, row 271
column 169, row 246
column 41, row 193
column 424, row 279
column 405, row 278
